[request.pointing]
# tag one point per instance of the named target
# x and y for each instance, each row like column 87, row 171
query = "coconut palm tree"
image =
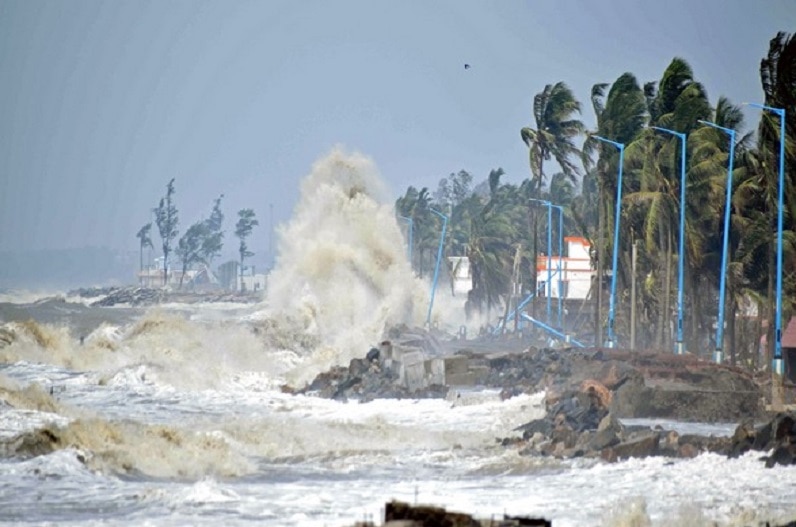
column 557, row 128
column 555, row 132
column 490, row 248
column 620, row 117
column 778, row 78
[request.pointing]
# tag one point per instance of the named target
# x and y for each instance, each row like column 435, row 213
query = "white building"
column 570, row 276
column 250, row 283
column 461, row 279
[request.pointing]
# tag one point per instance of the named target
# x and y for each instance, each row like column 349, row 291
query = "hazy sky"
column 102, row 102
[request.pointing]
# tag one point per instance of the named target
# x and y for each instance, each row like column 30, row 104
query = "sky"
column 102, row 102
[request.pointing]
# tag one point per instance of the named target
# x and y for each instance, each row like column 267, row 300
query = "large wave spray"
column 342, row 271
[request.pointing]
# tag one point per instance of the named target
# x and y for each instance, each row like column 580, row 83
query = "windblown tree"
column 190, row 247
column 557, row 128
column 653, row 161
column 212, row 242
column 620, row 117
column 144, row 241
column 202, row 241
column 709, row 151
column 415, row 204
column 490, row 248
column 555, row 132
column 243, row 229
column 778, row 78
column 167, row 221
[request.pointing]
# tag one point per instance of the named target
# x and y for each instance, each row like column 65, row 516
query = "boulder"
column 639, row 448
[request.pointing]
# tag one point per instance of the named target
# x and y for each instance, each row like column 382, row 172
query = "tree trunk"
column 598, row 283
column 165, row 267
column 694, row 301
column 182, row 276
column 770, row 304
column 733, row 309
column 667, row 294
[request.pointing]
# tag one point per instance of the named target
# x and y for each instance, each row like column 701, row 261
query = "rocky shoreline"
column 143, row 296
column 401, row 514
column 588, row 393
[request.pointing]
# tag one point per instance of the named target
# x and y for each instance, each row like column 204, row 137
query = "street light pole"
column 678, row 346
column 617, row 218
column 549, row 250
column 409, row 238
column 560, row 254
column 436, row 267
column 777, row 365
column 718, row 354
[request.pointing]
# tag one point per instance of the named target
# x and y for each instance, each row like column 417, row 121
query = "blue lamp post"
column 777, row 365
column 549, row 250
column 436, row 267
column 612, row 302
column 718, row 354
column 560, row 254
column 409, row 237
column 678, row 346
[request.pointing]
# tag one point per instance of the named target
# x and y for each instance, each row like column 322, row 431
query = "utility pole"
column 633, row 297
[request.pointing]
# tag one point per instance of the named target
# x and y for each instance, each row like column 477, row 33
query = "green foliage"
column 243, row 229
column 555, row 132
column 167, row 221
column 213, row 241
column 144, row 238
column 190, row 248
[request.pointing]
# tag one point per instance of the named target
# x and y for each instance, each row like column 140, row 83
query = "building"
column 788, row 344
column 461, row 279
column 570, row 276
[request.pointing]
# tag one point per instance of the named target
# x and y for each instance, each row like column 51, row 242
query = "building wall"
column 576, row 274
column 460, row 273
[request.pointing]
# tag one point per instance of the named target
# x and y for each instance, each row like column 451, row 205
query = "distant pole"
column 549, row 250
column 436, row 267
column 777, row 364
column 718, row 354
column 678, row 347
column 549, row 288
column 617, row 219
column 409, row 235
column 633, row 261
column 560, row 255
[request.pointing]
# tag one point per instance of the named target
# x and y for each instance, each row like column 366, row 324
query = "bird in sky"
column 467, row 66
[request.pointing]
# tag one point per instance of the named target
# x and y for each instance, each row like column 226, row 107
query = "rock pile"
column 133, row 296
column 580, row 424
column 400, row 514
column 777, row 437
column 367, row 379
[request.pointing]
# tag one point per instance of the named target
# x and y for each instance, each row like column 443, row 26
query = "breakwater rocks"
column 146, row 296
column 588, row 394
column 401, row 514
column 581, row 424
column 642, row 385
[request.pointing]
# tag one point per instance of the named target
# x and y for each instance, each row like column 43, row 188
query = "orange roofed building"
column 576, row 273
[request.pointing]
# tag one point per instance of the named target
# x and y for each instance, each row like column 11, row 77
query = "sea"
column 185, row 414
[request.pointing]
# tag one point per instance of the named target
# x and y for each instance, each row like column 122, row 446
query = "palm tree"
column 620, row 117
column 144, row 241
column 555, row 132
column 778, row 78
column 653, row 163
column 415, row 204
column 554, row 137
column 490, row 248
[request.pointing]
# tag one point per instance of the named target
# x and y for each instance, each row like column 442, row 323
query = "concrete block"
column 456, row 365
